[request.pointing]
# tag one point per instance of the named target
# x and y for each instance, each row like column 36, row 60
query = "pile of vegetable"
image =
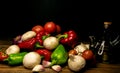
column 46, row 47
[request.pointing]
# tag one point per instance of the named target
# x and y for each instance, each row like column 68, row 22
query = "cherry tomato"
column 37, row 28
column 87, row 54
column 50, row 27
column 58, row 28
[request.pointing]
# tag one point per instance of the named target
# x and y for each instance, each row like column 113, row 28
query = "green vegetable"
column 15, row 59
column 59, row 55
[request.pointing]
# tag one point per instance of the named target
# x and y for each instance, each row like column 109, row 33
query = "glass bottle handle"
column 101, row 49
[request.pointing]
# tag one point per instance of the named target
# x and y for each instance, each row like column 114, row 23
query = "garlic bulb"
column 81, row 47
column 76, row 63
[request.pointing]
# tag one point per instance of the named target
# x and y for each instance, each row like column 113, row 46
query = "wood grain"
column 101, row 68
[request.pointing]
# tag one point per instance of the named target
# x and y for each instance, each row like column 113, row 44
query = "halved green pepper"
column 15, row 59
column 59, row 55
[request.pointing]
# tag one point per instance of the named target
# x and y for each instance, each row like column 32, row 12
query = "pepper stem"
column 45, row 36
column 53, row 62
column 5, row 60
column 37, row 45
column 62, row 36
column 42, row 57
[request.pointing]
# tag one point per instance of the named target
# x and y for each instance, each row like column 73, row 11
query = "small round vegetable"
column 50, row 27
column 58, row 28
column 12, row 49
column 50, row 43
column 31, row 59
column 37, row 28
column 88, row 54
column 28, row 35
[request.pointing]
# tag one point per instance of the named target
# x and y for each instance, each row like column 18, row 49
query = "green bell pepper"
column 15, row 59
column 59, row 55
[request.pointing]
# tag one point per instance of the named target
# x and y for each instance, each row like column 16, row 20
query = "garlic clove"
column 38, row 68
column 46, row 63
column 57, row 68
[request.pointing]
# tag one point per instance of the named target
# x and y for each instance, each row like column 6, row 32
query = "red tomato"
column 50, row 27
column 58, row 28
column 87, row 54
column 37, row 28
column 3, row 56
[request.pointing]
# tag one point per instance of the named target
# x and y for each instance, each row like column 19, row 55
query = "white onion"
column 12, row 49
column 50, row 43
column 31, row 59
column 27, row 35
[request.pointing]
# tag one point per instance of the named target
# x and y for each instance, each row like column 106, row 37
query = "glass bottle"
column 104, row 50
column 106, row 54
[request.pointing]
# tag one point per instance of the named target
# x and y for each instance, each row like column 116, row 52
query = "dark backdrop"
column 18, row 17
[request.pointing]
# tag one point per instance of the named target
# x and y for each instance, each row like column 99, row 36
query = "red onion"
column 17, row 39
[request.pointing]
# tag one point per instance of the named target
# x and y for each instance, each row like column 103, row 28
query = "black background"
column 86, row 18
column 20, row 16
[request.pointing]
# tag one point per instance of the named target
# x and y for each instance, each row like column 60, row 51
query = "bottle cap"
column 106, row 24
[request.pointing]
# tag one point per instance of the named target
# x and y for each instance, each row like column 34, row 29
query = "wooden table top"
column 100, row 68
